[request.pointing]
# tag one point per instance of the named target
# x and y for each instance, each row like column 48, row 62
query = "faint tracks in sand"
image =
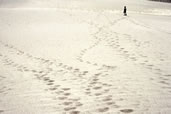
column 47, row 70
column 138, row 57
column 99, row 39
column 54, row 72
column 60, row 77
column 164, row 79
column 95, row 87
column 113, row 40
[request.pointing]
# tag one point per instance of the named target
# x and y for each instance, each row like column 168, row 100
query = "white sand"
column 85, row 57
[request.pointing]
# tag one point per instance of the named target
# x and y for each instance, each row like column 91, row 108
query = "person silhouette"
column 125, row 9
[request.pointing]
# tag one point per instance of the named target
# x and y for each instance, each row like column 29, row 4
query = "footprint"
column 96, row 88
column 74, row 99
column 98, row 94
column 50, row 80
column 105, row 109
column 78, row 104
column 75, row 112
column 146, row 61
column 127, row 110
column 161, row 59
column 87, row 62
column 65, row 89
column 95, row 79
column 107, row 99
column 150, row 65
column 67, row 94
column 69, row 68
column 125, row 51
column 1, row 111
column 46, row 78
column 168, row 75
column 164, row 82
column 87, row 93
column 92, row 83
column 57, row 85
column 34, row 71
column 158, row 69
column 106, row 90
column 97, row 74
column 59, row 92
column 95, row 64
column 85, row 72
column 69, row 108
column 50, row 83
column 88, row 89
column 105, row 84
column 110, row 103
column 116, row 106
column 53, row 89
column 62, row 98
column 67, row 103
column 76, row 69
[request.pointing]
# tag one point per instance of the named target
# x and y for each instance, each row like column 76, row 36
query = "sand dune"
column 84, row 60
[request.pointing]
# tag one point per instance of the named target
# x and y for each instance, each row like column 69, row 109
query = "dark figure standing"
column 125, row 14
